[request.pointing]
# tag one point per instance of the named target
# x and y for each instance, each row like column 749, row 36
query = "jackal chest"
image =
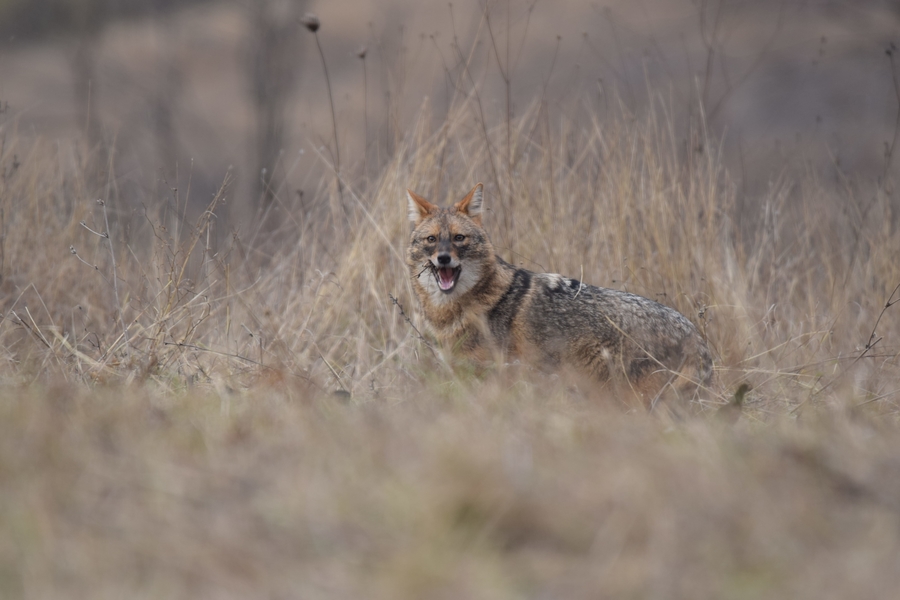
column 476, row 336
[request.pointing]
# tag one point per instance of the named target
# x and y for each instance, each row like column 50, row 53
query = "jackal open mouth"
column 446, row 277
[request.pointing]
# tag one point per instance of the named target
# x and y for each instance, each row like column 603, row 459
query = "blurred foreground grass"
column 495, row 489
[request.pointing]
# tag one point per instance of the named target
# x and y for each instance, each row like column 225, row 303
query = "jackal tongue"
column 445, row 277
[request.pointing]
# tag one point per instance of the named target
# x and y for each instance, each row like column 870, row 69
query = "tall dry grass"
column 169, row 424
column 104, row 283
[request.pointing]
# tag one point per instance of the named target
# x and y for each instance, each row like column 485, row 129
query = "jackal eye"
column 431, row 239
column 459, row 237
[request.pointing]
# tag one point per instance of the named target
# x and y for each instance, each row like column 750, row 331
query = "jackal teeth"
column 446, row 277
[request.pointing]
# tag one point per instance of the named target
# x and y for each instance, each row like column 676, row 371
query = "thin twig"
column 876, row 398
column 524, row 35
column 890, row 302
column 216, row 352
column 95, row 267
column 409, row 321
column 333, row 372
column 105, row 234
column 870, row 343
column 36, row 333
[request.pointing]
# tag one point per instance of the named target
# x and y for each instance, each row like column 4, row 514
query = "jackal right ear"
column 472, row 203
column 419, row 207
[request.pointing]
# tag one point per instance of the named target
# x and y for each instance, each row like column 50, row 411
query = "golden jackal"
column 476, row 302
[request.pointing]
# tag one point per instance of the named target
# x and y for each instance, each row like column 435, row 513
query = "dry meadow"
column 192, row 407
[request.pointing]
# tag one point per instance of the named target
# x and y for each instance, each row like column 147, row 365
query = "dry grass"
column 483, row 492
column 169, row 425
column 789, row 299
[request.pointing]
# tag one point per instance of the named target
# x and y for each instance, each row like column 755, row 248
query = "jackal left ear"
column 419, row 207
column 472, row 203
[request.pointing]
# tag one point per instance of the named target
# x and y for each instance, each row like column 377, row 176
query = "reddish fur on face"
column 448, row 249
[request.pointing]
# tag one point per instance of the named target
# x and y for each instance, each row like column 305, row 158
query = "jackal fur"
column 475, row 302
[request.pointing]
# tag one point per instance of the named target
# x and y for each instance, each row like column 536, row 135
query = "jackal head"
column 448, row 247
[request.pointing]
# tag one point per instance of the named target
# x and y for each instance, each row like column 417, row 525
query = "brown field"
column 205, row 396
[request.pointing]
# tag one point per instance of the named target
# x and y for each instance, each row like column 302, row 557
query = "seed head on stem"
column 311, row 22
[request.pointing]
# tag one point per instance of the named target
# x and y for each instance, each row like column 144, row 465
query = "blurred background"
column 176, row 93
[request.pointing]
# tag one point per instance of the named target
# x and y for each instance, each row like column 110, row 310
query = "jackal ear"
column 419, row 207
column 472, row 203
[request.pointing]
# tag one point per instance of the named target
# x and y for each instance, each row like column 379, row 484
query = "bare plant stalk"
column 482, row 121
column 870, row 343
column 732, row 86
column 362, row 56
column 542, row 103
column 115, row 277
column 365, row 120
column 505, row 76
column 710, row 47
column 337, row 149
column 890, row 149
column 410, row 323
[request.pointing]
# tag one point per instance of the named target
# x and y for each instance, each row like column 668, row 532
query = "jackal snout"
column 446, row 270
